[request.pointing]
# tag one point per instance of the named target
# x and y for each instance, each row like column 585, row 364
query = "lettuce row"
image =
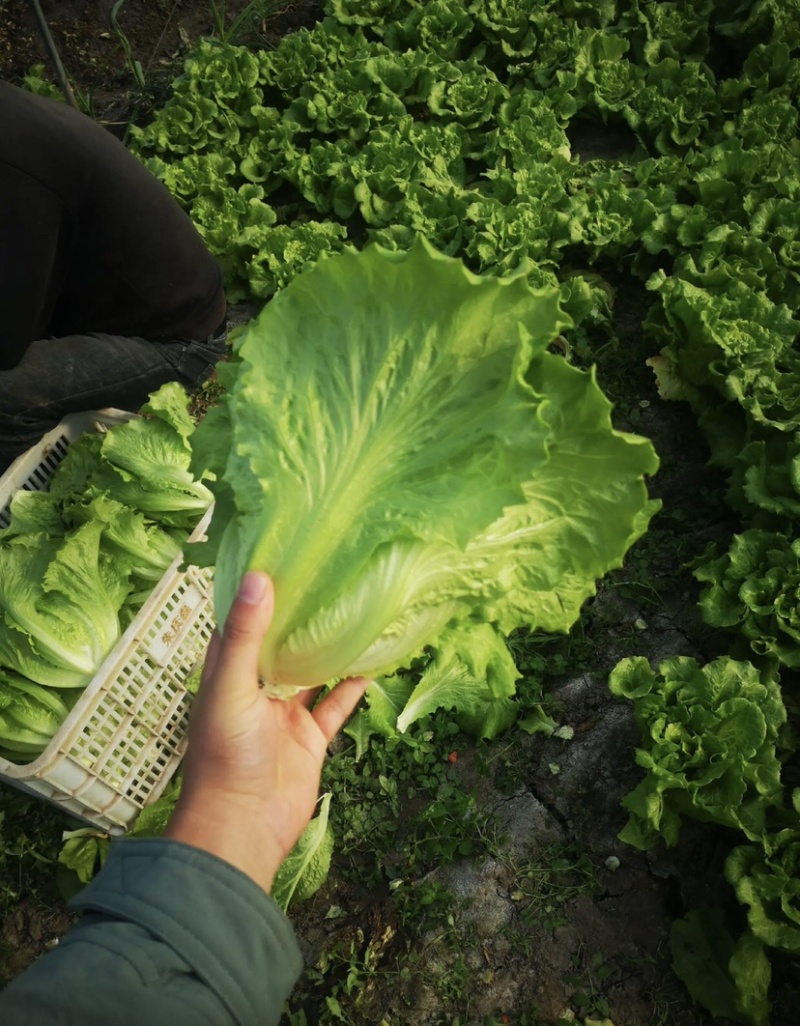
column 359, row 127
column 370, row 127
column 714, row 738
column 731, row 977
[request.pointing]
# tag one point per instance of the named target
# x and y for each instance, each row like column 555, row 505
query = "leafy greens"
column 398, row 450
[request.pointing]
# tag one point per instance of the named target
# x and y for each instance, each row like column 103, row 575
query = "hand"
column 253, row 765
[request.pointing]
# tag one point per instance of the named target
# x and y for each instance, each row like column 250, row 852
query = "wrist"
column 237, row 835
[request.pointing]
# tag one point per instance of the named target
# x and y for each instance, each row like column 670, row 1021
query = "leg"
column 88, row 372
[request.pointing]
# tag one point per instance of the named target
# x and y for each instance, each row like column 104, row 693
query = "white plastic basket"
column 123, row 740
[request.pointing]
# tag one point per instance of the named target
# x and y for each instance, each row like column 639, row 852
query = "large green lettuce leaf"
column 398, row 450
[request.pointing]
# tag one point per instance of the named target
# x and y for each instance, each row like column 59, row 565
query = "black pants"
column 89, row 372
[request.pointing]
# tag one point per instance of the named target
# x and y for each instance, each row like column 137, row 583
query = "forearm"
column 170, row 935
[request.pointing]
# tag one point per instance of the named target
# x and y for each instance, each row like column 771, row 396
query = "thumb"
column 247, row 622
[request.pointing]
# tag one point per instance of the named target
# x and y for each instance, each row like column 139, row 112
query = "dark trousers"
column 89, row 372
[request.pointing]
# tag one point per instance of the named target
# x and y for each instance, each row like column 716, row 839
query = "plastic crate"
column 123, row 740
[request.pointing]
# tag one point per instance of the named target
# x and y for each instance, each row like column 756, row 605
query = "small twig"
column 49, row 43
column 157, row 47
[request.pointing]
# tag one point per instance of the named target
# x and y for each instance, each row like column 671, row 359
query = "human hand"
column 253, row 765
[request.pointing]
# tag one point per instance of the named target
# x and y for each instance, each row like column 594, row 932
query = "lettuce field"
column 576, row 798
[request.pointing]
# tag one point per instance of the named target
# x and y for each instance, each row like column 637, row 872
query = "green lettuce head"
column 710, row 745
column 754, row 587
column 766, row 878
column 398, row 450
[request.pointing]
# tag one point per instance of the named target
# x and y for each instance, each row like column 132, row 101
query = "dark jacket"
column 170, row 936
column 90, row 241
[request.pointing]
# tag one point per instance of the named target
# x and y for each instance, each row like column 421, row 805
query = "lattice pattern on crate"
column 140, row 723
column 39, row 478
column 177, row 617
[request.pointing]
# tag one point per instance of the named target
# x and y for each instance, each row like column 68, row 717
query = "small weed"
column 586, row 980
column 30, row 839
column 543, row 888
column 244, row 24
column 340, row 987
column 348, row 972
column 134, row 65
column 425, row 906
column 450, row 827
column 401, row 809
column 205, row 396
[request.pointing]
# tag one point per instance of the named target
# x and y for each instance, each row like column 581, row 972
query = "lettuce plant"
column 710, row 740
column 754, row 587
column 398, row 450
column 766, row 877
column 439, row 26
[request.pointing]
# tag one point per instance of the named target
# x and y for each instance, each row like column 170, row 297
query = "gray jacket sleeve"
column 170, row 936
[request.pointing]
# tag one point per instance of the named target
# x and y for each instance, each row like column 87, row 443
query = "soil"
column 506, row 954
column 159, row 33
column 32, row 927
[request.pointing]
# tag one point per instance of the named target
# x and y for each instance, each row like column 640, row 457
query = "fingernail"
column 253, row 588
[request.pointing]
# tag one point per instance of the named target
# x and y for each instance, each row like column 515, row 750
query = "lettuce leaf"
column 59, row 606
column 305, row 868
column 29, row 714
column 398, row 450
